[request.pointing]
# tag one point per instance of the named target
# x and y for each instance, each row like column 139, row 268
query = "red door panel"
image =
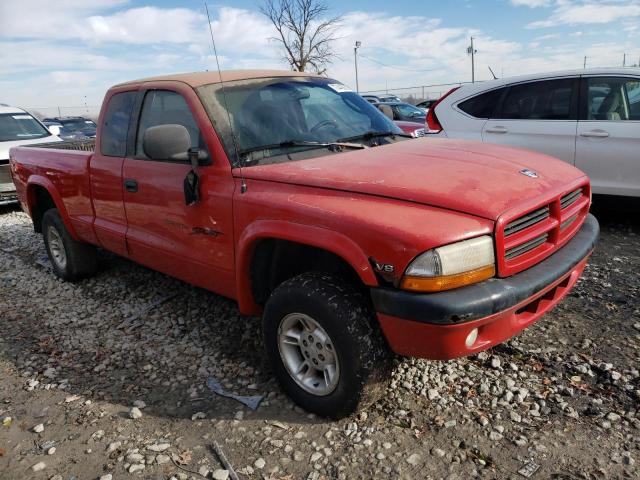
column 110, row 223
column 193, row 243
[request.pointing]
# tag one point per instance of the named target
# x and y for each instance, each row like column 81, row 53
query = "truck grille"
column 570, row 198
column 527, row 220
column 525, row 247
column 524, row 239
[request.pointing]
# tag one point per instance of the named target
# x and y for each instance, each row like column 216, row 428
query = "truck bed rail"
column 88, row 145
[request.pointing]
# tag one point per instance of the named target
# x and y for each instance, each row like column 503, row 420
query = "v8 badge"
column 382, row 267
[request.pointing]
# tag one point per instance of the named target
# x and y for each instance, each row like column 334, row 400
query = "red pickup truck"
column 294, row 196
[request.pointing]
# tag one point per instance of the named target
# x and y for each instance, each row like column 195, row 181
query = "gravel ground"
column 559, row 401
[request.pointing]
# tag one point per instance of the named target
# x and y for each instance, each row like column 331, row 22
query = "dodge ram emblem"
column 529, row 173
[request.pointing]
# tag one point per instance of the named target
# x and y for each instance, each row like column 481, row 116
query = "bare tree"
column 303, row 31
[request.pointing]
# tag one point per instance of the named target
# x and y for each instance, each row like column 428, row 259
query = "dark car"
column 73, row 128
column 383, row 98
column 426, row 104
column 402, row 111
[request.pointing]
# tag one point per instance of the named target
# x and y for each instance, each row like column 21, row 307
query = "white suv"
column 17, row 127
column 589, row 118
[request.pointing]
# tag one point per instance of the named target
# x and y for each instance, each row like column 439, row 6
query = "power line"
column 396, row 67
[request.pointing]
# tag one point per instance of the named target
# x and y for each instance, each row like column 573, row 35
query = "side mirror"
column 166, row 142
column 54, row 129
column 173, row 142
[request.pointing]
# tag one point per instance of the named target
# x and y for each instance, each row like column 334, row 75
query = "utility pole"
column 585, row 62
column 471, row 51
column 624, row 59
column 355, row 59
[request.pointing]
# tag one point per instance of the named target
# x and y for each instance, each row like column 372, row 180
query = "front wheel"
column 324, row 345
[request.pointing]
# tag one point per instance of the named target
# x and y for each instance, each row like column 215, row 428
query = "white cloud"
column 530, row 3
column 146, row 25
column 589, row 12
column 50, row 19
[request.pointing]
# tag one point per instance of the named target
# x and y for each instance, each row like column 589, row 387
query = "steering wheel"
column 323, row 124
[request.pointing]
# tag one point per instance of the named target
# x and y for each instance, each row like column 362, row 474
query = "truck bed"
column 88, row 145
column 61, row 168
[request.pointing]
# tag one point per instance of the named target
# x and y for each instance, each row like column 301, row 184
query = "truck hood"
column 477, row 178
column 6, row 146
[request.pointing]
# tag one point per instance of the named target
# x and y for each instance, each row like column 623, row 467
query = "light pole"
column 471, row 51
column 355, row 59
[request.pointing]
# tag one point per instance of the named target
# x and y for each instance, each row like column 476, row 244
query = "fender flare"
column 318, row 237
column 38, row 180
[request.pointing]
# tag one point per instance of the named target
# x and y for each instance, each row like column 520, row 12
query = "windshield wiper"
column 302, row 143
column 371, row 135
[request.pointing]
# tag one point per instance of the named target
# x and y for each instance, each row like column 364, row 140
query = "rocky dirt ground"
column 559, row 401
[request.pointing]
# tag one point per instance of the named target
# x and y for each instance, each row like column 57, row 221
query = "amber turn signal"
column 447, row 282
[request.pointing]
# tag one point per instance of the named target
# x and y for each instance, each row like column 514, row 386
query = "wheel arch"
column 42, row 195
column 263, row 239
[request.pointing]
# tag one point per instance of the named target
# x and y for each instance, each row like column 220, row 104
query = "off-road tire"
column 81, row 258
column 364, row 357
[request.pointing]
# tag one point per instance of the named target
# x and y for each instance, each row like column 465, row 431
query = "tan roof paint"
column 197, row 79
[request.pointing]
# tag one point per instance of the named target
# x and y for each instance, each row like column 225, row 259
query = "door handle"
column 497, row 129
column 595, row 133
column 131, row 186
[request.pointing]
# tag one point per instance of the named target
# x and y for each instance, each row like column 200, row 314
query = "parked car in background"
column 414, row 129
column 400, row 111
column 588, row 118
column 17, row 127
column 73, row 128
column 383, row 98
column 53, row 126
column 426, row 104
column 291, row 194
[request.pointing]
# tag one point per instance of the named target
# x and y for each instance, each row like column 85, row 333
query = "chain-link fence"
column 417, row 94
column 89, row 111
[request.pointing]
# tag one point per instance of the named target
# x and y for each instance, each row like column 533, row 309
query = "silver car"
column 589, row 118
column 17, row 127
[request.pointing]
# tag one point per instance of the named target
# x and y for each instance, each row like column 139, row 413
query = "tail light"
column 433, row 124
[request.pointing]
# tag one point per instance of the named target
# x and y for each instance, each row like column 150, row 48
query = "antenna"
column 243, row 185
column 494, row 75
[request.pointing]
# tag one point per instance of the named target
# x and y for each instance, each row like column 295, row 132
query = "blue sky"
column 68, row 52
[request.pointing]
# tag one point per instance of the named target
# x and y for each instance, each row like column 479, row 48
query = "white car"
column 589, row 118
column 17, row 127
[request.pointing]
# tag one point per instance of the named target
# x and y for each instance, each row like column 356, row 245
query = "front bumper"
column 437, row 325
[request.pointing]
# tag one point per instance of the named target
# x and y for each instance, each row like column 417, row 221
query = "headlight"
column 451, row 266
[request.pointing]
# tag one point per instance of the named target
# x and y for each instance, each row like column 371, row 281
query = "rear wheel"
column 71, row 260
column 324, row 345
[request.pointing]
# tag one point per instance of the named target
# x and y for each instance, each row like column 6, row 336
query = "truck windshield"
column 273, row 118
column 20, row 126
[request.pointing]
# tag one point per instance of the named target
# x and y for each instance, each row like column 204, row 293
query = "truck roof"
column 197, row 79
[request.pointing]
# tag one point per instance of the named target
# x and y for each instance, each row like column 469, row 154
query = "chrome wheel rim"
column 56, row 247
column 308, row 354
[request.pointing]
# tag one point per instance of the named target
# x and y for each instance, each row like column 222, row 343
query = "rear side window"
column 483, row 105
column 612, row 99
column 115, row 125
column 163, row 107
column 546, row 100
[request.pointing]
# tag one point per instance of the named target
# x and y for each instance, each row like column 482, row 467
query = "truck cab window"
column 163, row 107
column 115, row 125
